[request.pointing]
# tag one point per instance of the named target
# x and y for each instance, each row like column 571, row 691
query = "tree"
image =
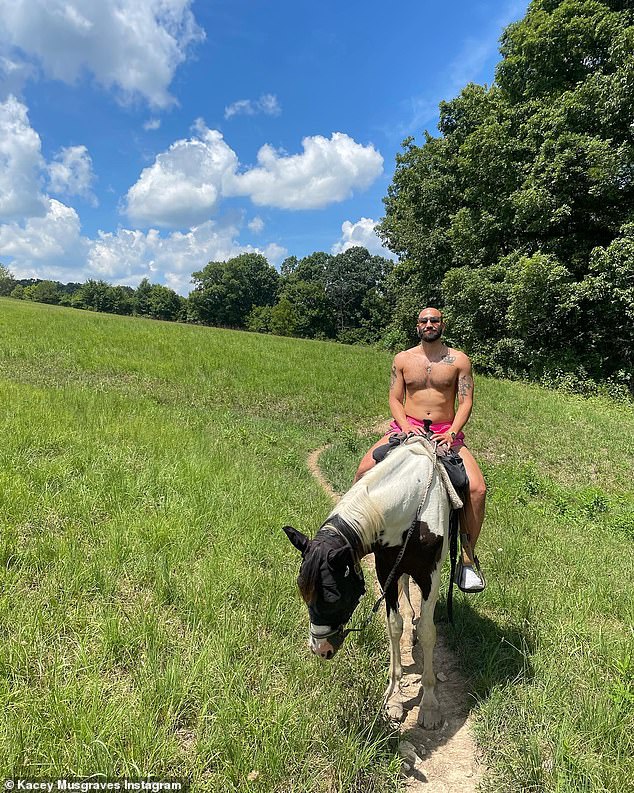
column 7, row 282
column 349, row 277
column 142, row 298
column 164, row 303
column 95, row 296
column 42, row 292
column 226, row 292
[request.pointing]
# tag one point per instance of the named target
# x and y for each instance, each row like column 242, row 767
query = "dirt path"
column 434, row 761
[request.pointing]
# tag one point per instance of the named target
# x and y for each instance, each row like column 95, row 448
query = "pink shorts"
column 443, row 426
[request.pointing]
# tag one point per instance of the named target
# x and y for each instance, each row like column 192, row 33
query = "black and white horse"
column 408, row 490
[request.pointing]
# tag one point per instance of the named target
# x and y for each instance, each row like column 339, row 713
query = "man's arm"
column 464, row 395
column 397, row 394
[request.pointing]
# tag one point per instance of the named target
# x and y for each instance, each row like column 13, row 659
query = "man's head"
column 430, row 325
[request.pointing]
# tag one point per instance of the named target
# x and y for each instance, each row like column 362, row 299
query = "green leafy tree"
column 142, row 298
column 7, row 282
column 42, row 292
column 95, row 296
column 164, row 303
column 349, row 277
column 226, row 292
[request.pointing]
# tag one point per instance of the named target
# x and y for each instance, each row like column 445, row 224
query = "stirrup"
column 461, row 572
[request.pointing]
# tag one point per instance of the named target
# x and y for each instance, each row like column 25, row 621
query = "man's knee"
column 364, row 466
column 478, row 488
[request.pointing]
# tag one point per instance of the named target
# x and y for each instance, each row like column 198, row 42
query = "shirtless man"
column 424, row 384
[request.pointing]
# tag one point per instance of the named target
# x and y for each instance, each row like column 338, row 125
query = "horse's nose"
column 323, row 648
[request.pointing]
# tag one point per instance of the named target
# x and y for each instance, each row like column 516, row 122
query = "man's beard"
column 429, row 335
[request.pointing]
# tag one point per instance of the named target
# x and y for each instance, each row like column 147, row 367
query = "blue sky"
column 143, row 138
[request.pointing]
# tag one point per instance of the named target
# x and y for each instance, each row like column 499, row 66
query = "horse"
column 399, row 510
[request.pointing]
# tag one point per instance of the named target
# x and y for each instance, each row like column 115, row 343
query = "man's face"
column 429, row 326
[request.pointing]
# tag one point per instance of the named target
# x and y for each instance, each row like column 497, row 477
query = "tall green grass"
column 149, row 619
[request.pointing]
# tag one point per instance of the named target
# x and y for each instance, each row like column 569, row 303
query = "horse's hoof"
column 394, row 711
column 429, row 719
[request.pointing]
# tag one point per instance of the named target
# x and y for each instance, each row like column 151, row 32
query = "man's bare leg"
column 367, row 460
column 473, row 515
column 474, row 506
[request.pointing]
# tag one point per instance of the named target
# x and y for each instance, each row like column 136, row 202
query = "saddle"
column 450, row 460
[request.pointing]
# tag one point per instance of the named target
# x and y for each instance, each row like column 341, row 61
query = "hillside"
column 150, row 617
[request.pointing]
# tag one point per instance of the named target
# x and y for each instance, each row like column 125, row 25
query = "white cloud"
column 256, row 225
column 52, row 247
column 152, row 124
column 187, row 182
column 361, row 233
column 71, row 173
column 274, row 253
column 48, row 245
column 266, row 104
column 14, row 73
column 127, row 256
column 326, row 172
column 131, row 46
column 43, row 239
column 21, row 164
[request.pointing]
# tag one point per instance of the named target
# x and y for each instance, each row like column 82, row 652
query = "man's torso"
column 430, row 385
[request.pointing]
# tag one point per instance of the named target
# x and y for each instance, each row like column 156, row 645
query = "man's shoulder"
column 404, row 355
column 459, row 358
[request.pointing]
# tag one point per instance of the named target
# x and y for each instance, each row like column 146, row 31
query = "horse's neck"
column 382, row 505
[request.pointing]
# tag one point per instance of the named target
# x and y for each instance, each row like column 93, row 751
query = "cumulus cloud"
column 46, row 245
column 21, row 164
column 131, row 46
column 266, row 104
column 361, row 233
column 71, row 173
column 53, row 247
column 256, row 225
column 328, row 171
column 127, row 256
column 186, row 183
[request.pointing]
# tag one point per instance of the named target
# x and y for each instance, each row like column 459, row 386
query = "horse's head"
column 331, row 584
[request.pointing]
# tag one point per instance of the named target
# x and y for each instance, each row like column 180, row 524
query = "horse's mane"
column 357, row 506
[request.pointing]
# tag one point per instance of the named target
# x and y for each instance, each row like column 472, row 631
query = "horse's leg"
column 429, row 715
column 393, row 702
column 403, row 589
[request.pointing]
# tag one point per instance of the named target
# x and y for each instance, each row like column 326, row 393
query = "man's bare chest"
column 420, row 374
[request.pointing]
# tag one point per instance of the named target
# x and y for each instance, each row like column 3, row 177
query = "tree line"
column 517, row 220
column 321, row 296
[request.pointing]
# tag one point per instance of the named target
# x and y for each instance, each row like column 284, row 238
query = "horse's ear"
column 299, row 540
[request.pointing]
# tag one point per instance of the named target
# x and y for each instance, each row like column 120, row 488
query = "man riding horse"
column 425, row 383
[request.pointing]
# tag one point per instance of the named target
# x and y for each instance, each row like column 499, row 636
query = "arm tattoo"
column 392, row 377
column 465, row 385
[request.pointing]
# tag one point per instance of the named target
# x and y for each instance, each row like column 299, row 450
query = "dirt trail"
column 434, row 761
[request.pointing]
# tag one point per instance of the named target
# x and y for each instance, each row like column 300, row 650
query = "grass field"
column 149, row 619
